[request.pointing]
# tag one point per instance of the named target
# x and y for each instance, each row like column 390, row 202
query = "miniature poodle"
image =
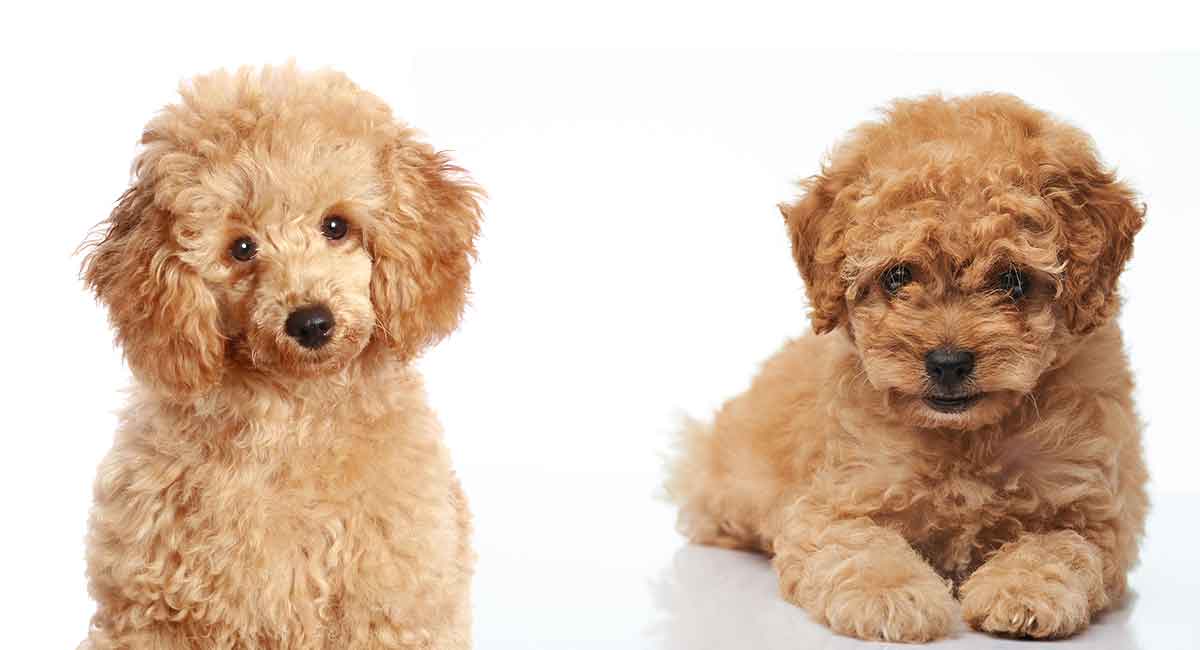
column 958, row 438
column 278, row 480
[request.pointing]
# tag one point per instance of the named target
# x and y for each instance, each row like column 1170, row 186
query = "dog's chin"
column 286, row 358
column 311, row 366
column 963, row 412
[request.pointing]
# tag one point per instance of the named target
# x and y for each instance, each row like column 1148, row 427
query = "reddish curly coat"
column 879, row 510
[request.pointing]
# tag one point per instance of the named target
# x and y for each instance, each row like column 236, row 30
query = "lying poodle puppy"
column 278, row 481
column 963, row 424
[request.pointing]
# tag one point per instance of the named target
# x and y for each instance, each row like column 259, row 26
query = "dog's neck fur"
column 268, row 414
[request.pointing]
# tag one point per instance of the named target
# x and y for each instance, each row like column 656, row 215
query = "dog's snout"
column 311, row 326
column 949, row 366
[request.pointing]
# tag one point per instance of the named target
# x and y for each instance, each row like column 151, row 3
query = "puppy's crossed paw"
column 1018, row 603
column 910, row 613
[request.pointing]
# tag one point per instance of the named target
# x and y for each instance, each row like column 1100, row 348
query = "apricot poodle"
column 278, row 481
column 958, row 438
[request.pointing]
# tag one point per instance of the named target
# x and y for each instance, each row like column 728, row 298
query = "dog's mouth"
column 268, row 352
column 951, row 403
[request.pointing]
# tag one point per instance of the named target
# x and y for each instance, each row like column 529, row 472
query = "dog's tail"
column 688, row 474
column 693, row 485
column 688, row 460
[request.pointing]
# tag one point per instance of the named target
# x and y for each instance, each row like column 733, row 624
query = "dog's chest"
column 957, row 512
column 300, row 544
column 334, row 522
column 958, row 520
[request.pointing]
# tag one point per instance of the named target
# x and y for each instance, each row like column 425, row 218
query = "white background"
column 633, row 266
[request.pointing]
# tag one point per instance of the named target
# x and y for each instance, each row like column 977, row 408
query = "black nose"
column 310, row 325
column 949, row 366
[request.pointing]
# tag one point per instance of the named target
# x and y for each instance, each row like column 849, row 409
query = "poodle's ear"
column 165, row 318
column 422, row 246
column 1099, row 217
column 816, row 232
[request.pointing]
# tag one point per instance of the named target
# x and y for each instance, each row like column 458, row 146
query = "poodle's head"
column 281, row 223
column 965, row 246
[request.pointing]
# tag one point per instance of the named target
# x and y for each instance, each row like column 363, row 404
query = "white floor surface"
column 612, row 573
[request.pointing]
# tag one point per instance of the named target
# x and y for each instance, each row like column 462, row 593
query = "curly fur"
column 879, row 510
column 260, row 494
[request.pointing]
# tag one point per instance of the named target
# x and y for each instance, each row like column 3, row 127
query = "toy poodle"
column 958, row 438
column 278, row 480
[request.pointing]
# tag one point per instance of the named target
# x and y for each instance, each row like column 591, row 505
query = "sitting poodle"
column 278, row 481
column 962, row 426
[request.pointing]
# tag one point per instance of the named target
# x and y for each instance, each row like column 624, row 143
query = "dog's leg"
column 1041, row 585
column 862, row 580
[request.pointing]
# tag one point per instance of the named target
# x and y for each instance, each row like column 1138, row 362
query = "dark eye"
column 334, row 227
column 895, row 278
column 1014, row 283
column 243, row 249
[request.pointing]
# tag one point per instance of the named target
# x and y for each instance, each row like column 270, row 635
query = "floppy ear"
column 816, row 232
column 422, row 246
column 165, row 318
column 1099, row 217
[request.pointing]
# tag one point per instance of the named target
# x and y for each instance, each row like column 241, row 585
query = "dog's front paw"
column 906, row 614
column 878, row 597
column 1021, row 603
